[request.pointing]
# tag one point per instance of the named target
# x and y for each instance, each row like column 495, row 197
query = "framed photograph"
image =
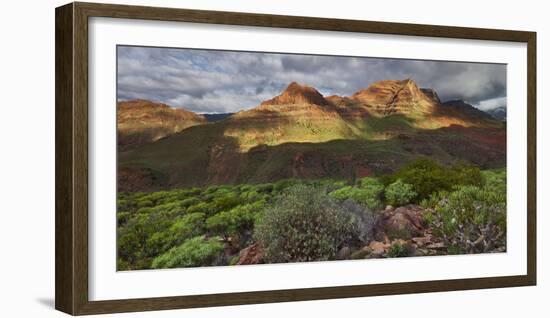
column 218, row 158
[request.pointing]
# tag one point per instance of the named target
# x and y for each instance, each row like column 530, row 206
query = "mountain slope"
column 498, row 113
column 299, row 114
column 141, row 121
column 302, row 134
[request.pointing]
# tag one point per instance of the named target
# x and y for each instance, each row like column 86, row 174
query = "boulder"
column 251, row 255
column 403, row 222
column 378, row 249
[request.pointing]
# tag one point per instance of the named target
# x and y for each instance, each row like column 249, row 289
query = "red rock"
column 251, row 255
column 378, row 249
column 400, row 223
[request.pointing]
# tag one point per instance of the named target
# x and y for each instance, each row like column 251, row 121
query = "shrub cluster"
column 427, row 177
column 304, row 224
column 299, row 220
column 471, row 219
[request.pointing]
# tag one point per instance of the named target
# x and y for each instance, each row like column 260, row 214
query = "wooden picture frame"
column 71, row 90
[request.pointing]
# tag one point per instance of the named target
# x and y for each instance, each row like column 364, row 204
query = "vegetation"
column 304, row 224
column 399, row 193
column 471, row 219
column 398, row 249
column 309, row 220
column 194, row 252
column 428, row 177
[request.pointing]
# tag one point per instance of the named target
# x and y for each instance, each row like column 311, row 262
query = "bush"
column 369, row 193
column 471, row 219
column 428, row 177
column 495, row 180
column 399, row 250
column 399, row 193
column 226, row 201
column 132, row 239
column 122, row 217
column 183, row 228
column 236, row 220
column 366, row 219
column 304, row 224
column 195, row 252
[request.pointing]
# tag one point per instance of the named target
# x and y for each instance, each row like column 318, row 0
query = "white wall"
column 27, row 158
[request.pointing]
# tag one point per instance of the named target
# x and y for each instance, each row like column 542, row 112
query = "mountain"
column 299, row 114
column 498, row 113
column 395, row 97
column 216, row 117
column 466, row 108
column 142, row 121
column 297, row 94
column 432, row 94
column 302, row 134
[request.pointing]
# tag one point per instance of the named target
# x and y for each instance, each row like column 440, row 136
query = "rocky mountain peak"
column 298, row 94
column 432, row 94
column 395, row 96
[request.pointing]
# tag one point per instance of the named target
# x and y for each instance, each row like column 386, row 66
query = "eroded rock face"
column 395, row 97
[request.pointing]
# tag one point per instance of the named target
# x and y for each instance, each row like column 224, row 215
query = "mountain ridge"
column 142, row 121
column 292, row 136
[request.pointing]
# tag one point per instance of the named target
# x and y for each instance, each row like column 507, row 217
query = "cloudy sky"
column 207, row 81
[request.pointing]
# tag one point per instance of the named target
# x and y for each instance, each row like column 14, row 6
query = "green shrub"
column 399, row 193
column 369, row 193
column 194, row 252
column 467, row 175
column 427, row 177
column 471, row 219
column 132, row 239
column 360, row 254
column 225, row 201
column 189, row 202
column 304, row 224
column 183, row 228
column 144, row 203
column 495, row 180
column 236, row 220
column 122, row 217
column 234, row 260
column 207, row 208
column 398, row 250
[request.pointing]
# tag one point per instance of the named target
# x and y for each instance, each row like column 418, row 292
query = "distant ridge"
column 141, row 121
column 498, row 113
column 216, row 117
column 466, row 108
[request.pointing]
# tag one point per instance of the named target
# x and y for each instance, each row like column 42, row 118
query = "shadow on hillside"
column 202, row 157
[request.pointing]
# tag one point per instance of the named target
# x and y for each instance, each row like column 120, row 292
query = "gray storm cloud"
column 224, row 81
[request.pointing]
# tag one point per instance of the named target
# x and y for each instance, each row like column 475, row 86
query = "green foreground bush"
column 368, row 193
column 471, row 219
column 427, row 177
column 399, row 193
column 195, row 252
column 304, row 224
